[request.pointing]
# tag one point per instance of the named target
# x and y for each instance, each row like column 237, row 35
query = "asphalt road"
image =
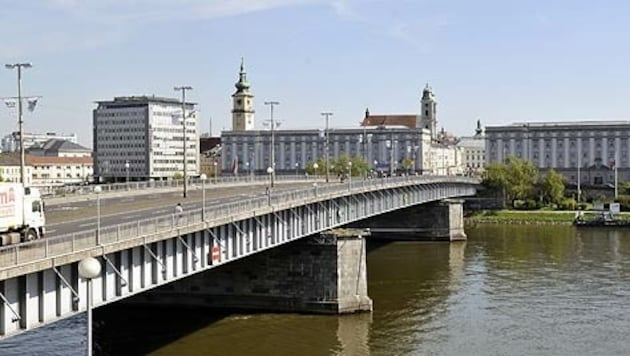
column 65, row 218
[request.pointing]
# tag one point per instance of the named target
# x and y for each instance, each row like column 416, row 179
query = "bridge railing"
column 44, row 248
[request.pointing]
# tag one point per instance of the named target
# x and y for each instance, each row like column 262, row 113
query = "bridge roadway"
column 39, row 281
column 65, row 216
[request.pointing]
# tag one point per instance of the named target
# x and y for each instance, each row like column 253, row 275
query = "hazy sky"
column 498, row 60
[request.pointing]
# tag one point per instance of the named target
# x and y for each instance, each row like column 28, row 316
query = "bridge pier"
column 442, row 220
column 323, row 274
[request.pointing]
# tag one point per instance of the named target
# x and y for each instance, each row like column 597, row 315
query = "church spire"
column 242, row 86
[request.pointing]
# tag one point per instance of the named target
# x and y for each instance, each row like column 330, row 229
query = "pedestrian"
column 179, row 212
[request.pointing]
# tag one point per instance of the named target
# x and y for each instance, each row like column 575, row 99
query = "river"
column 508, row 290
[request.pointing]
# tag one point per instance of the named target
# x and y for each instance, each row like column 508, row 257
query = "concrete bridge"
column 40, row 284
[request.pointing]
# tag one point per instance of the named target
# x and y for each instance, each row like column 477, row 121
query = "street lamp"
column 272, row 165
column 349, row 175
column 270, row 172
column 183, row 90
column 98, row 191
column 203, row 178
column 215, row 171
column 89, row 268
column 127, row 171
column 19, row 67
column 327, row 115
column 297, row 165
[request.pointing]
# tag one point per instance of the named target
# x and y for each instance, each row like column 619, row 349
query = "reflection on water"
column 508, row 290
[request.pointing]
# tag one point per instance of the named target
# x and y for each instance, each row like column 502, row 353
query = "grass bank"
column 532, row 216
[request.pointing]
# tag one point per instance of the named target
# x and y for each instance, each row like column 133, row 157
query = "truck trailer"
column 21, row 214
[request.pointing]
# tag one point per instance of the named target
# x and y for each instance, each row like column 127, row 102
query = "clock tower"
column 428, row 111
column 242, row 104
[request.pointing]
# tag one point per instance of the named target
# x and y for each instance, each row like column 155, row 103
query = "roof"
column 558, row 124
column 391, row 120
column 62, row 145
column 140, row 99
column 13, row 159
column 44, row 160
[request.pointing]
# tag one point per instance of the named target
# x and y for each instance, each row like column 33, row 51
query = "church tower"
column 428, row 112
column 242, row 104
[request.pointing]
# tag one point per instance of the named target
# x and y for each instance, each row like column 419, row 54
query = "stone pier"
column 443, row 221
column 324, row 274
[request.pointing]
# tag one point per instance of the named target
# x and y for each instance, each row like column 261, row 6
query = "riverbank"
column 533, row 217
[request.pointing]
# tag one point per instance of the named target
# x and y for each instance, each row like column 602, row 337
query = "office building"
column 142, row 137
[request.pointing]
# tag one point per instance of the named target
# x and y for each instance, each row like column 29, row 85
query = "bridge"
column 40, row 284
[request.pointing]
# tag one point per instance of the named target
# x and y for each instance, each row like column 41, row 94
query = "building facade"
column 142, row 137
column 473, row 152
column 383, row 148
column 595, row 148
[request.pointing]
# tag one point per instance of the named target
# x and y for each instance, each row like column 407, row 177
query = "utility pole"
column 579, row 191
column 19, row 67
column 327, row 115
column 272, row 164
column 183, row 89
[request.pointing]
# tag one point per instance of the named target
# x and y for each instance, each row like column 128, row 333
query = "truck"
column 21, row 214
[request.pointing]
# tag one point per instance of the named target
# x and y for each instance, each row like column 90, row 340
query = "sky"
column 499, row 61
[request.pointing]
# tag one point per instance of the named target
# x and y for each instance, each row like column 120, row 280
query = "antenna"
column 210, row 126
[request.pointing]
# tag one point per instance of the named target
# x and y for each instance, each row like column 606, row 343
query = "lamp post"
column 272, row 164
column 297, row 165
column 127, row 171
column 89, row 268
column 270, row 172
column 98, row 191
column 315, row 167
column 183, row 89
column 19, row 67
column 203, row 178
column 215, row 171
column 327, row 115
column 349, row 175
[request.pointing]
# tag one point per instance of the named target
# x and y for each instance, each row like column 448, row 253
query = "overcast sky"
column 500, row 61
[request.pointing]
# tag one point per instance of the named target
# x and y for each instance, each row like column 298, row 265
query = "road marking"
column 87, row 224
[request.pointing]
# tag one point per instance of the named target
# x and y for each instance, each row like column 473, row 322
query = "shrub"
column 567, row 204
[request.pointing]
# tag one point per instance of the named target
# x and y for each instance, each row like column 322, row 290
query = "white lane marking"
column 87, row 224
column 50, row 231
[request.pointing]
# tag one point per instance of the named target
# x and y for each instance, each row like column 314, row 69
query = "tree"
column 553, row 187
column 178, row 176
column 407, row 163
column 515, row 178
column 521, row 177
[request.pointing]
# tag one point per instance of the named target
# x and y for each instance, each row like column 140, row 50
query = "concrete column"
column 443, row 220
column 319, row 274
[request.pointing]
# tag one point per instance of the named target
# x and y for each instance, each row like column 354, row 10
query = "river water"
column 508, row 290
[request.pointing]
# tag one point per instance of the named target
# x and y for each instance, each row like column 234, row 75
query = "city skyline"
column 497, row 62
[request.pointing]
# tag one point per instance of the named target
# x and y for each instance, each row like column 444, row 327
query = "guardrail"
column 70, row 190
column 50, row 247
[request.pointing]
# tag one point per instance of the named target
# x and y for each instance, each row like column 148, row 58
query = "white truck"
column 21, row 214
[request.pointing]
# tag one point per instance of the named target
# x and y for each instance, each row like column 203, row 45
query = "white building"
column 10, row 168
column 473, row 151
column 596, row 147
column 383, row 148
column 51, row 170
column 10, row 143
column 142, row 137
